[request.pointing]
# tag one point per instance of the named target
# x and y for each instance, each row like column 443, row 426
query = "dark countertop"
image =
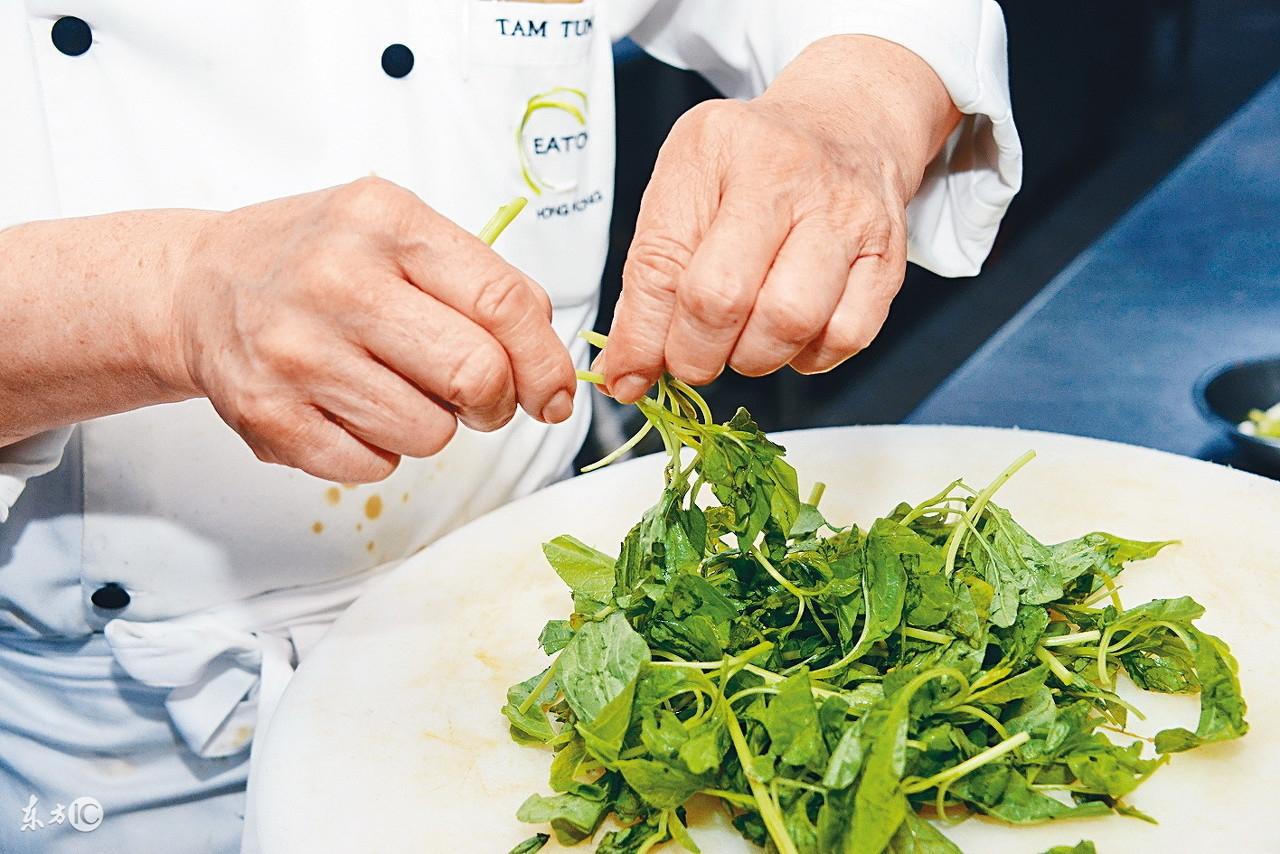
column 1188, row 279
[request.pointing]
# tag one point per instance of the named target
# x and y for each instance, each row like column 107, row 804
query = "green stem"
column 736, row 798
column 1072, row 639
column 969, row 765
column 736, row 662
column 770, row 812
column 500, row 220
column 623, row 449
column 539, row 688
column 926, row 635
column 790, row 587
column 659, row 835
column 929, row 503
column 595, row 339
column 980, row 504
column 974, row 711
column 1065, row 676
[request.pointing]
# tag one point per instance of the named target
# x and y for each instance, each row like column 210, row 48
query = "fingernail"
column 559, row 409
column 630, row 388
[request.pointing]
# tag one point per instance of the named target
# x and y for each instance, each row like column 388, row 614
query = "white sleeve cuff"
column 22, row 461
column 953, row 219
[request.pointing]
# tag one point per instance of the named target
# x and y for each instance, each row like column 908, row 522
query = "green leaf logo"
column 562, row 99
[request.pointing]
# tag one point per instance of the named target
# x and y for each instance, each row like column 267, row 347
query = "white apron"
column 217, row 572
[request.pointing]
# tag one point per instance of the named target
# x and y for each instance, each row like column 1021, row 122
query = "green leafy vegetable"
column 1084, row 846
column 532, row 844
column 836, row 687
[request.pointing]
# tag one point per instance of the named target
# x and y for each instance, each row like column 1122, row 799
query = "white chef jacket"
column 231, row 568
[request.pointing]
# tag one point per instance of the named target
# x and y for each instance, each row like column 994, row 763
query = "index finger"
column 458, row 269
column 677, row 207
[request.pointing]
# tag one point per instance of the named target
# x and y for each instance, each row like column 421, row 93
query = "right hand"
column 338, row 330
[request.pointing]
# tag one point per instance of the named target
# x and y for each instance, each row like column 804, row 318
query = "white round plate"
column 389, row 738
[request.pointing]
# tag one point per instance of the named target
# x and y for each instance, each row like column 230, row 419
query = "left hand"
column 773, row 231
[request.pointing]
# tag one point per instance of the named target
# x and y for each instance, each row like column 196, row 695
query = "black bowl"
column 1225, row 395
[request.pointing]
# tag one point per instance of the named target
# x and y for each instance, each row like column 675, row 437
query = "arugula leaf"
column 526, row 713
column 826, row 683
column 661, row 784
column 1084, row 846
column 532, row 844
column 587, row 572
column 792, row 722
column 1222, row 706
column 555, row 634
column 573, row 815
column 917, row 836
column 845, row 761
column 597, row 672
column 879, row 805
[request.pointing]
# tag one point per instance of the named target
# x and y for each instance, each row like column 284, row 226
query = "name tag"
column 530, row 33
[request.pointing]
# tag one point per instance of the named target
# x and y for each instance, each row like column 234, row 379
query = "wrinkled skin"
column 773, row 231
column 339, row 330
column 365, row 332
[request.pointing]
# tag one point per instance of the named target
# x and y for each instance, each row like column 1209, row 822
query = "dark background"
column 1108, row 96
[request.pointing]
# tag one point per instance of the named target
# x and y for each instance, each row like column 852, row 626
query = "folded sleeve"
column 22, row 461
column 740, row 45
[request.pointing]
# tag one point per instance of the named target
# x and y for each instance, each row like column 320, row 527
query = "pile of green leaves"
column 833, row 686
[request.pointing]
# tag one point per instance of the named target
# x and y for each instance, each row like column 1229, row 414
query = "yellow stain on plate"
column 373, row 507
column 333, row 495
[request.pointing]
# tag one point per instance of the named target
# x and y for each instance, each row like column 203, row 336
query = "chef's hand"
column 773, row 231
column 338, row 330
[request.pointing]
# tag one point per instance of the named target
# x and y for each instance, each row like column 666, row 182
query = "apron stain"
column 317, row 527
column 332, row 495
column 373, row 507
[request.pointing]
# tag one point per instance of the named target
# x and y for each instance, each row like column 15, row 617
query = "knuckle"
column 368, row 199
column 263, row 420
column 877, row 231
column 479, row 379
column 792, row 319
column 367, row 190
column 655, row 263
column 283, row 350
column 697, row 119
column 720, row 305
column 716, row 115
column 500, row 297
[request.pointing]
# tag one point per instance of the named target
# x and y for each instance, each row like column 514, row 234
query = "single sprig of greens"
column 834, row 687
